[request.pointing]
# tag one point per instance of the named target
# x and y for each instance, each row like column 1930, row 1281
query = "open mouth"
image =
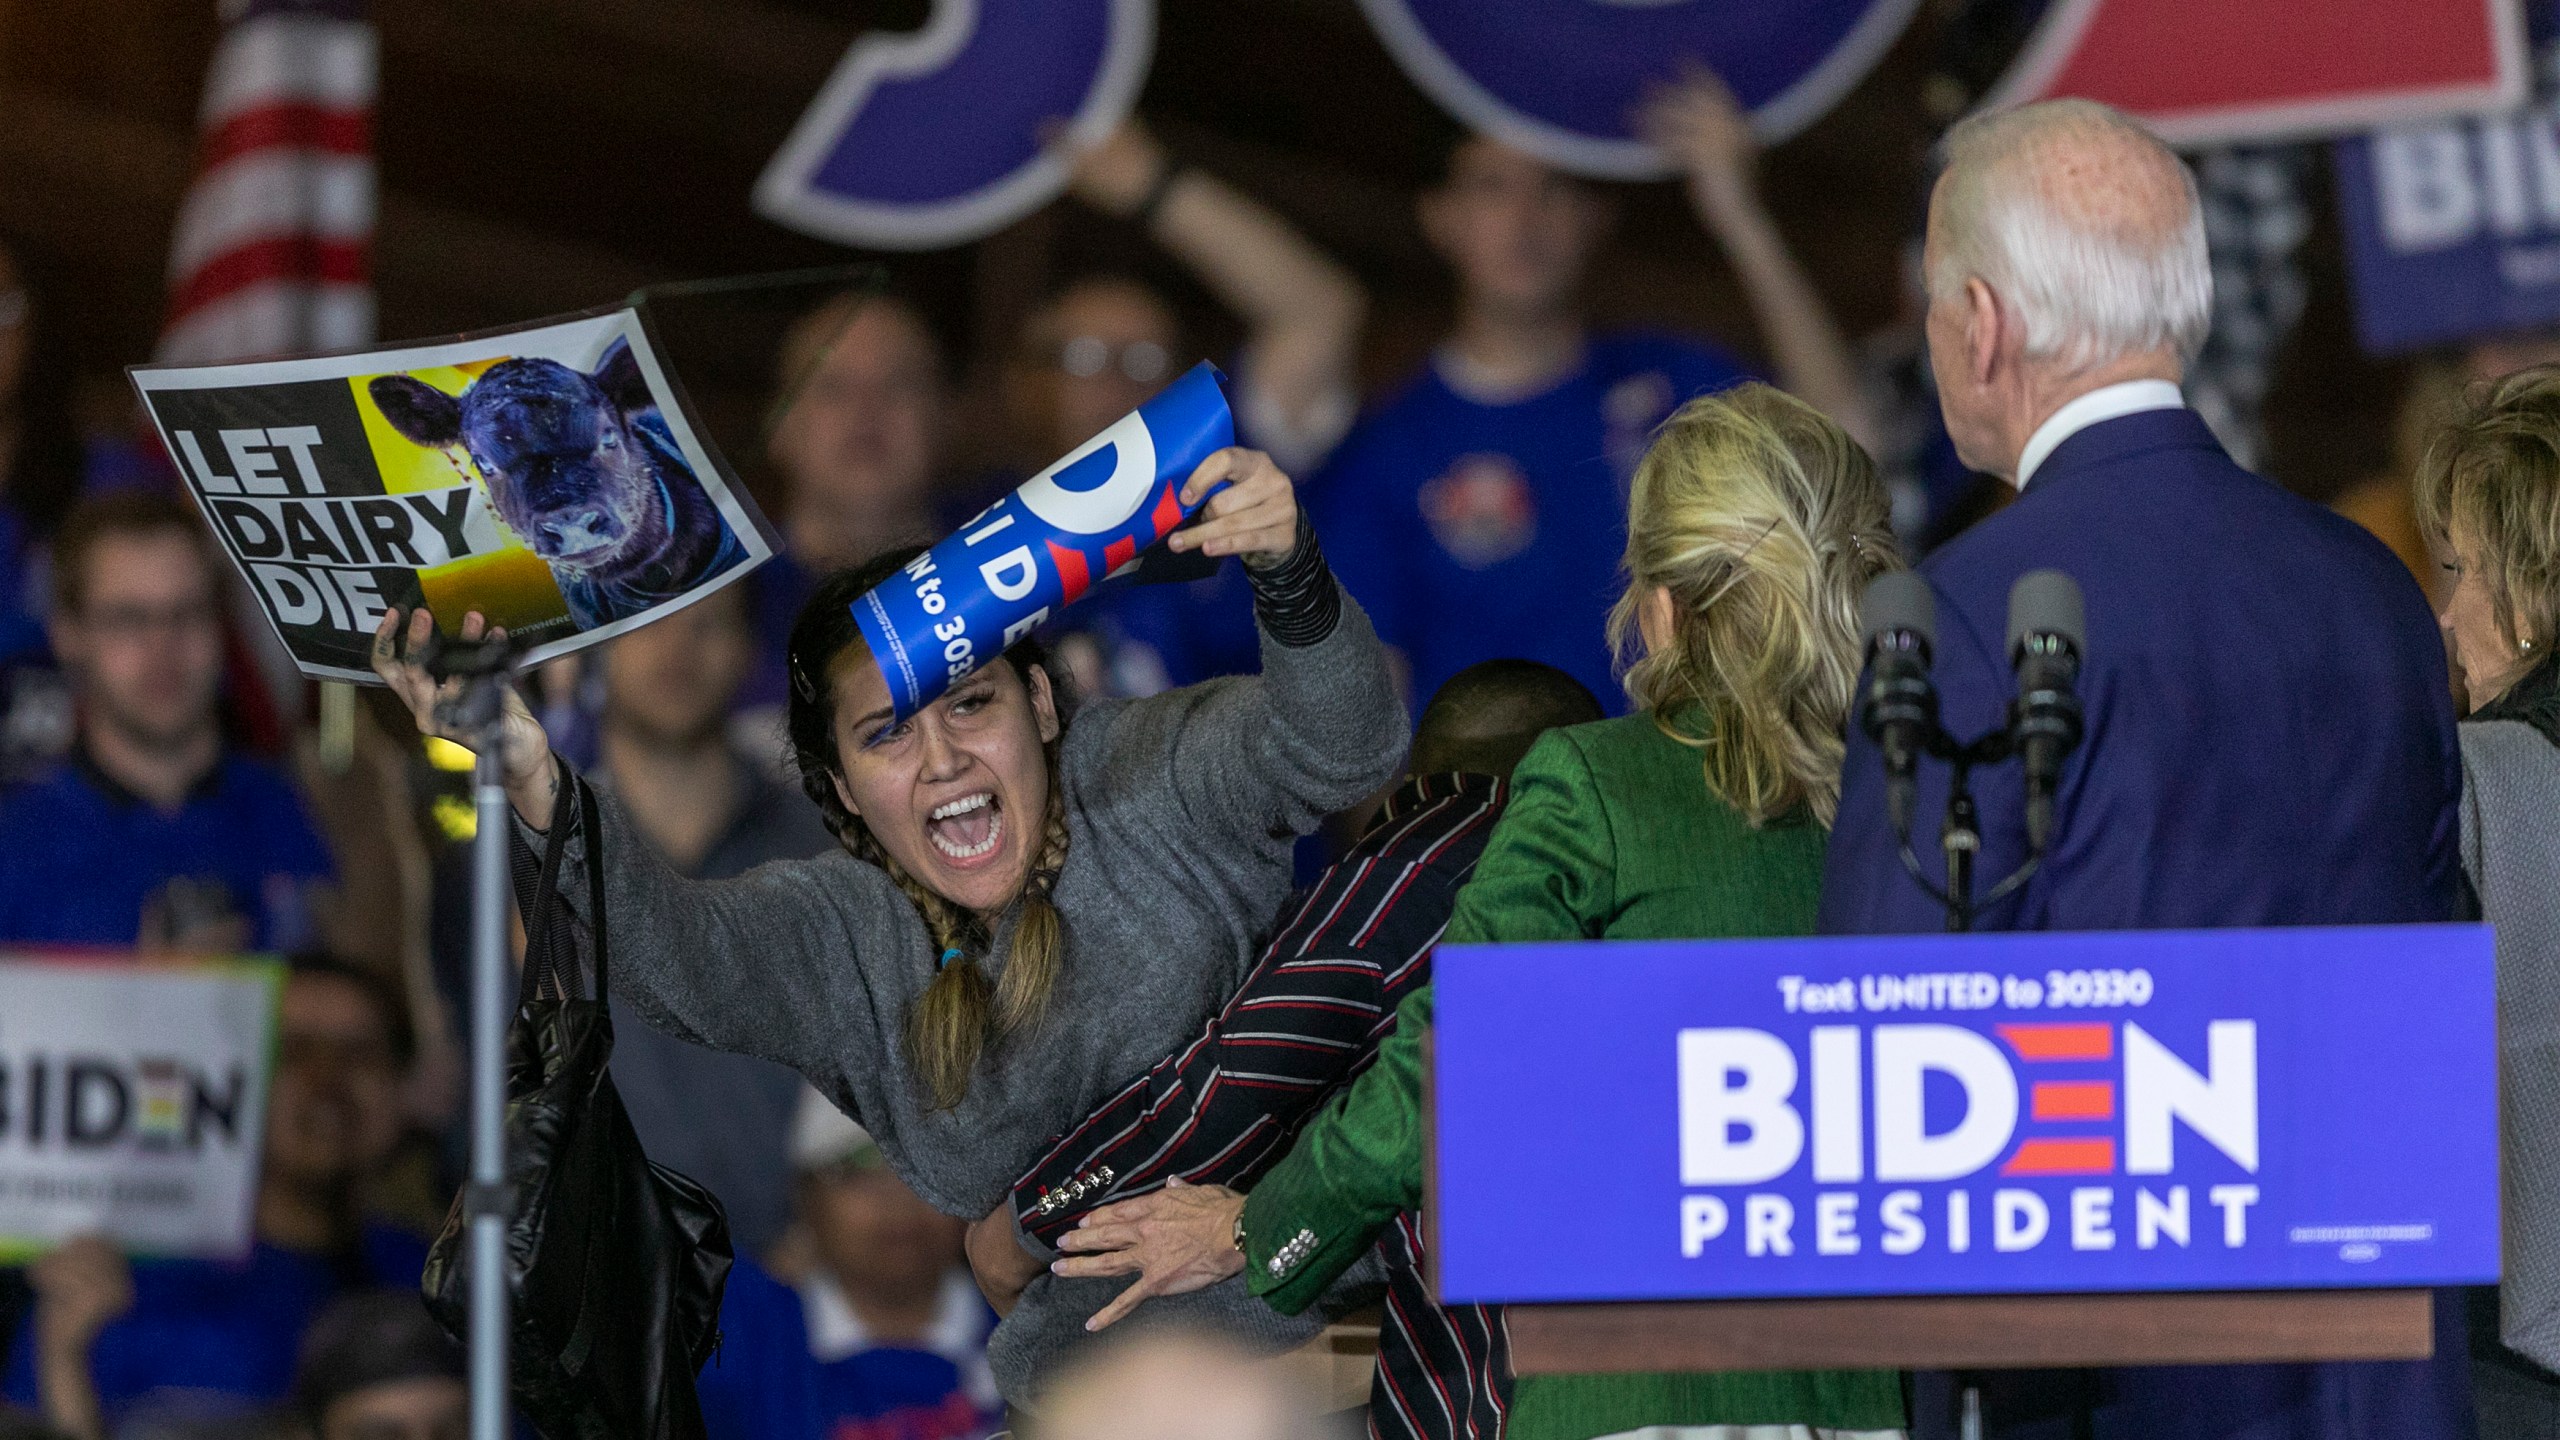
column 966, row 829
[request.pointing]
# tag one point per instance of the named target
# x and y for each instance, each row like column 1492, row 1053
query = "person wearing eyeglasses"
column 154, row 832
column 1105, row 341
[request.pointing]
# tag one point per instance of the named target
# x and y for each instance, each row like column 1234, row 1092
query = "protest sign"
column 133, row 1101
column 1043, row 547
column 547, row 477
column 1561, row 79
column 1980, row 1114
column 945, row 135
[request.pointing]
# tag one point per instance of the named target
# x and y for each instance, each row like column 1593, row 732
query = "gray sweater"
column 2511, row 851
column 1181, row 812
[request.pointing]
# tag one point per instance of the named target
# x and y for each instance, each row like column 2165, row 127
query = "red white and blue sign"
column 1560, row 79
column 1917, row 1115
column 2220, row 72
column 1045, row 546
column 955, row 131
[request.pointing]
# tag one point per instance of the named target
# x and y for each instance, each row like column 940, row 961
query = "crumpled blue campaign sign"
column 1920, row 1115
column 1043, row 547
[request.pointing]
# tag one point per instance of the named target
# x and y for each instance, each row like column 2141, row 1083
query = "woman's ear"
column 844, row 796
column 1044, row 703
column 1657, row 617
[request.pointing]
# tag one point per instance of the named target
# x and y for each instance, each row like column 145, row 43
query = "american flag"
column 272, row 254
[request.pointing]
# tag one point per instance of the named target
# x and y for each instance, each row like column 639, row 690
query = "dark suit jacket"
column 2270, row 742
column 2270, row 730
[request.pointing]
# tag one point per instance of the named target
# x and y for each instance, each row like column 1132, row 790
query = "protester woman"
column 1031, row 904
column 1753, row 529
column 2488, row 493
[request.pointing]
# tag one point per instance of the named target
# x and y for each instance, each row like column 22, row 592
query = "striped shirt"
column 1308, row 1020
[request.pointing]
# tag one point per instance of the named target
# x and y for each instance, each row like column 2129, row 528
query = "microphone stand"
column 1960, row 837
column 479, row 711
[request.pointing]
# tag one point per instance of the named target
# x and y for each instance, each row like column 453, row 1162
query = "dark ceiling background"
column 540, row 156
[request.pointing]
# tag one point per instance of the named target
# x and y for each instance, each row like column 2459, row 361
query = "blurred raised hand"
column 1697, row 124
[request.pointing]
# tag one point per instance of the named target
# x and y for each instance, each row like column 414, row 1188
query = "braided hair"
column 950, row 1025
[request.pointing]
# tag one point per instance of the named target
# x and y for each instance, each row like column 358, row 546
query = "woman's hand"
column 1180, row 1239
column 1256, row 516
column 524, row 750
column 1002, row 1267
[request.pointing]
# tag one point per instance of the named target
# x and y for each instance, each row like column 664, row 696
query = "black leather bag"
column 615, row 1264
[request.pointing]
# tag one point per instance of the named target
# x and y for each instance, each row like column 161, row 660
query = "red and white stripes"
column 272, row 253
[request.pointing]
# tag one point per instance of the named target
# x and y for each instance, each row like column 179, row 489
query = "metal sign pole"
column 479, row 711
column 490, row 994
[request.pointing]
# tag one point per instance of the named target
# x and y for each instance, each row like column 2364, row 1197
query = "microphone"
column 2047, row 636
column 1901, row 709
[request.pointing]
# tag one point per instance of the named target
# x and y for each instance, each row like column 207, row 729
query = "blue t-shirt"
column 1475, row 532
column 226, row 1328
column 21, row 598
column 1158, row 636
column 85, row 856
column 794, row 1366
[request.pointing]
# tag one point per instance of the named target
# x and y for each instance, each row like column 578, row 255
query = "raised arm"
column 1321, row 728
column 1698, row 125
column 1302, row 311
column 763, row 964
column 758, row 965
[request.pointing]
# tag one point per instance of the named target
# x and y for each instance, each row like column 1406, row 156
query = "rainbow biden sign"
column 2211, row 1110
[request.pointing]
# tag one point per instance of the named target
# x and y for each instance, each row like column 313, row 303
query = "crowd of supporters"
column 1635, row 537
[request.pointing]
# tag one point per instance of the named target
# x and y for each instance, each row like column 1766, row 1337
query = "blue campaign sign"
column 2453, row 229
column 1911, row 1115
column 1558, row 78
column 1046, row 545
column 942, row 136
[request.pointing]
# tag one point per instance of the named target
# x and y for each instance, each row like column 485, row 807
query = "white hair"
column 2087, row 293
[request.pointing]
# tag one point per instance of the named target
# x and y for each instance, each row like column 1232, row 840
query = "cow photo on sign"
column 547, row 477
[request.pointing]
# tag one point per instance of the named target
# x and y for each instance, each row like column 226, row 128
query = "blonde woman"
column 1753, row 528
column 2488, row 493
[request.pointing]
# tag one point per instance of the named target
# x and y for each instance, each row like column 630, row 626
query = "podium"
column 2169, row 1147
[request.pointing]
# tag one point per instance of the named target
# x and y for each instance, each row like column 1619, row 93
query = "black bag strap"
column 543, row 941
column 541, row 948
column 593, row 821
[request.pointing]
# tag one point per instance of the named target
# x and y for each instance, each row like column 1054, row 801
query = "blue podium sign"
column 1918, row 1115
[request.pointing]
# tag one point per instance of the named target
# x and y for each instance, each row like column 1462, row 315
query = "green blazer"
column 1611, row 834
